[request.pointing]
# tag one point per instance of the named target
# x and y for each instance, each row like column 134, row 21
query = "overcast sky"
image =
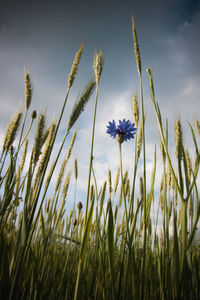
column 43, row 36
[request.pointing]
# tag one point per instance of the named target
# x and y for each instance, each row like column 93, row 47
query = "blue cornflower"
column 123, row 132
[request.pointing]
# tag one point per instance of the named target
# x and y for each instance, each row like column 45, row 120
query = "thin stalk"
column 122, row 183
column 91, row 154
column 133, row 184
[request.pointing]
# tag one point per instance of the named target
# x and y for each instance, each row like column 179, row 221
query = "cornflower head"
column 122, row 132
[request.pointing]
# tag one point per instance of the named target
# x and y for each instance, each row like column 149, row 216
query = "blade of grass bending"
column 150, row 196
column 158, row 115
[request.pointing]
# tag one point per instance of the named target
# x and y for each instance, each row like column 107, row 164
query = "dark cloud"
column 189, row 8
column 44, row 35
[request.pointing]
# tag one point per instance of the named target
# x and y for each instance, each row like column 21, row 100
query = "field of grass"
column 91, row 253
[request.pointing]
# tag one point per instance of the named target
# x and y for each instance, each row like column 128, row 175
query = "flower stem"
column 122, row 183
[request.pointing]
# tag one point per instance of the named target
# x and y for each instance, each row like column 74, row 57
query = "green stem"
column 122, row 183
column 77, row 289
column 91, row 154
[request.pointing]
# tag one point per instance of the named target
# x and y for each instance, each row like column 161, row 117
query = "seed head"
column 189, row 163
column 28, row 91
column 71, row 145
column 110, row 182
column 162, row 150
column 98, row 65
column 34, row 114
column 75, row 169
column 136, row 48
column 11, row 132
column 74, row 68
column 197, row 125
column 116, row 181
column 139, row 142
column 135, row 110
column 178, row 139
column 47, row 146
column 80, row 104
column 38, row 138
column 169, row 177
column 66, row 185
column 80, row 205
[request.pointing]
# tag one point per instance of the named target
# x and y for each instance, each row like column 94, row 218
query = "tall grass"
column 91, row 252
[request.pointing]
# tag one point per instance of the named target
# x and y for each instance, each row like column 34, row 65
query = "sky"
column 43, row 37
